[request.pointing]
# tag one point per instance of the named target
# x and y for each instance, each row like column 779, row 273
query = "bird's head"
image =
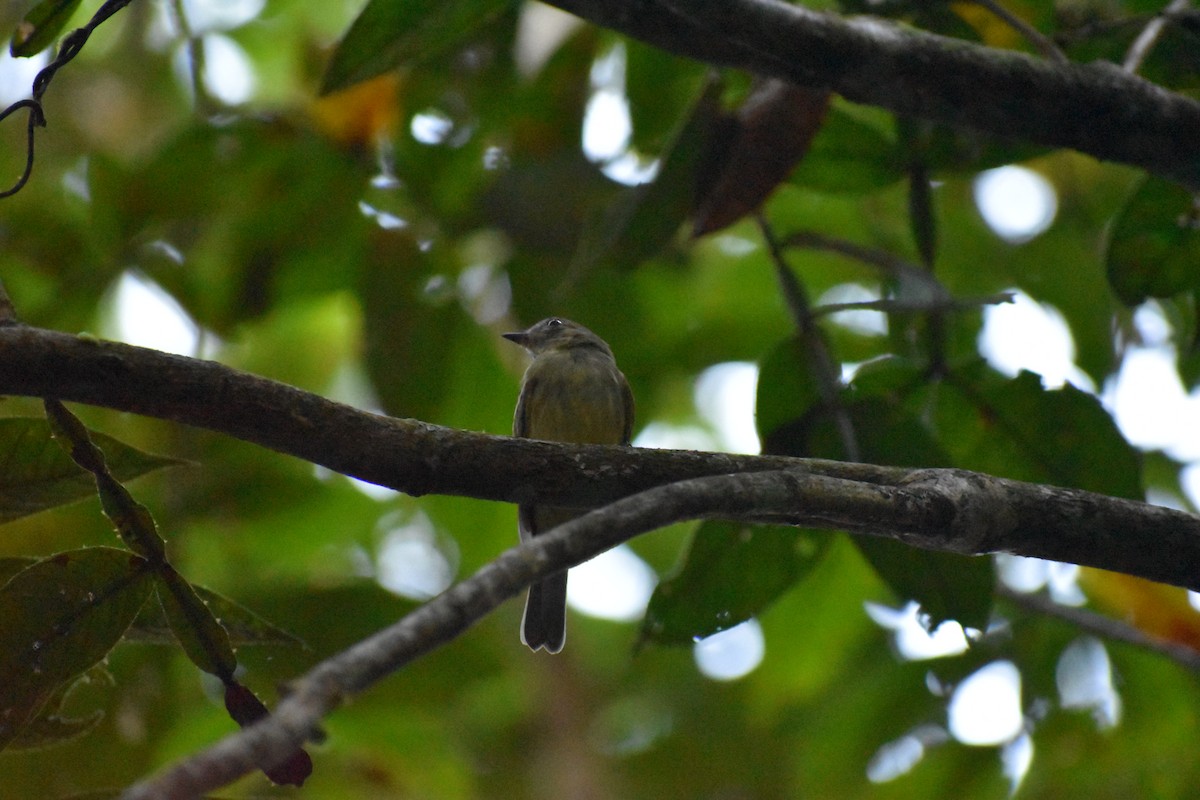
column 556, row 333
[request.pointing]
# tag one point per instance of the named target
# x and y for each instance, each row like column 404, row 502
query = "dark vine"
column 71, row 45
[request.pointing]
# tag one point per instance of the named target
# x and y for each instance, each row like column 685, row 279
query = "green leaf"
column 41, row 27
column 51, row 726
column 243, row 626
column 38, row 475
column 958, row 150
column 946, row 585
column 732, row 572
column 1018, row 429
column 849, row 154
column 10, row 566
column 1154, row 248
column 792, row 422
column 45, row 731
column 407, row 351
column 787, row 395
column 196, row 629
column 661, row 87
column 401, row 33
column 640, row 220
column 252, row 257
column 60, row 616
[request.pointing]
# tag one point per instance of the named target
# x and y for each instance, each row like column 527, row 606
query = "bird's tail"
column 545, row 622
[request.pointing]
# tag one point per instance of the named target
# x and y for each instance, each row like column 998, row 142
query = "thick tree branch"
column 407, row 455
column 939, row 509
column 1096, row 108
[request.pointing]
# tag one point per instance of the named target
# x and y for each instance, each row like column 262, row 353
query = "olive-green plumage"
column 571, row 392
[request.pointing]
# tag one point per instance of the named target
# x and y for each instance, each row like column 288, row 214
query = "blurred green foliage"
column 370, row 245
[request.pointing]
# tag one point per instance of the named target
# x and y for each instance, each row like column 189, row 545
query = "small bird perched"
column 571, row 392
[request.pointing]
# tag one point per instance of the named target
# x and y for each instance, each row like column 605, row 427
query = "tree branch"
column 811, row 339
column 941, row 509
column 407, row 455
column 337, row 679
column 795, row 496
column 1047, row 48
column 1103, row 626
column 1148, row 38
column 1096, row 108
column 938, row 509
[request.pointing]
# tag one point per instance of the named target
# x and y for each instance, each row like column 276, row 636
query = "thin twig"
column 1103, row 626
column 8, row 312
column 1139, row 51
column 1083, row 31
column 1048, row 49
column 887, row 263
column 37, row 119
column 195, row 49
column 894, row 305
column 825, row 368
column 915, row 135
column 919, row 289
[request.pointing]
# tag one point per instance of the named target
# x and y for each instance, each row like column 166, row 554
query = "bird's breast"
column 575, row 399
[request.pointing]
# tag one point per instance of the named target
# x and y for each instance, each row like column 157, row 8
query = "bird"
column 572, row 391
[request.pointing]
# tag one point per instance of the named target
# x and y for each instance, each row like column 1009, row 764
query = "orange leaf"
column 770, row 134
column 361, row 115
column 1154, row 608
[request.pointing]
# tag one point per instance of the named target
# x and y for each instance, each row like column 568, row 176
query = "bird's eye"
column 554, row 322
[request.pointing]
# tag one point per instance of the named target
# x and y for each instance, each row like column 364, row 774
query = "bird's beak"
column 520, row 337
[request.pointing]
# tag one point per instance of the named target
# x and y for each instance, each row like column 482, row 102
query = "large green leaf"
column 11, row 565
column 242, row 625
column 788, row 394
column 660, row 87
column 948, row 586
column 246, row 252
column 399, row 33
column 850, row 154
column 640, row 220
column 1154, row 247
column 1016, row 428
column 58, row 617
column 38, row 475
column 732, row 572
column 56, row 722
column 412, row 322
column 51, row 729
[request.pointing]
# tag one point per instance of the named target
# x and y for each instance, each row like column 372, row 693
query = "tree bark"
column 938, row 509
column 1096, row 108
